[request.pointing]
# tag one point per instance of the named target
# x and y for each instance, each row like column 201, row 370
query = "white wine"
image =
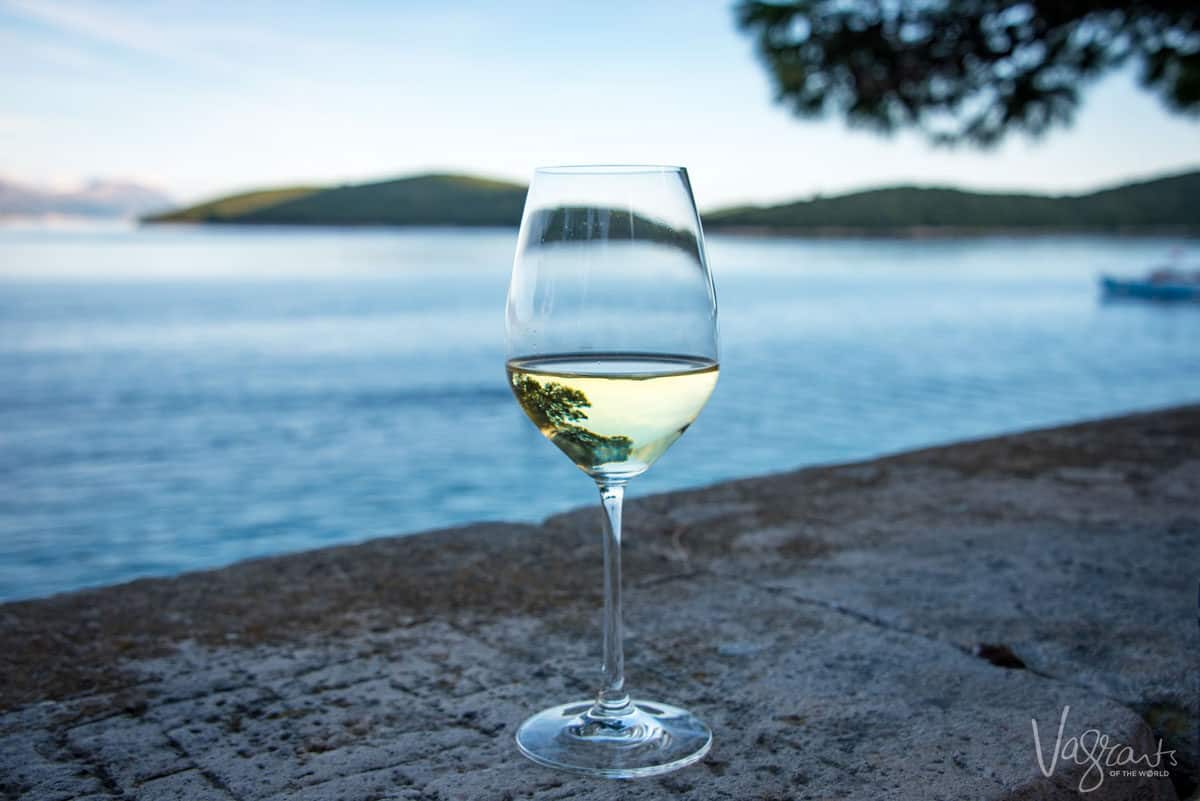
column 613, row 414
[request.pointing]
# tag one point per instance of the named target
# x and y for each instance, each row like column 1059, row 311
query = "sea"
column 173, row 399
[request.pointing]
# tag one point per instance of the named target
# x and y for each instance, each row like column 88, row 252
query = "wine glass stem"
column 612, row 699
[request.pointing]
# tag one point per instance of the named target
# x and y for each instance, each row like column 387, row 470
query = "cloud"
column 180, row 35
column 93, row 23
column 23, row 51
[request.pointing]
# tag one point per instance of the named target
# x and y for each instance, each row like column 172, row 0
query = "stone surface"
column 885, row 630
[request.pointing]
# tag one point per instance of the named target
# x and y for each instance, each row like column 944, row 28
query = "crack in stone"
column 668, row 578
column 167, row 773
column 63, row 742
column 1179, row 778
column 886, row 625
column 208, row 775
column 196, row 696
column 407, row 780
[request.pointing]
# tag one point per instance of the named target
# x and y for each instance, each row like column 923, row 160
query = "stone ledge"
column 826, row 622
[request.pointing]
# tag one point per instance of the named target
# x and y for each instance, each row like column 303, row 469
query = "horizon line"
column 450, row 172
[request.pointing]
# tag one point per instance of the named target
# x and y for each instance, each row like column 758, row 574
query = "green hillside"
column 460, row 200
column 420, row 200
column 1163, row 202
column 233, row 207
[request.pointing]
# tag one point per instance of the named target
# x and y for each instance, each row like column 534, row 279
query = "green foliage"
column 550, row 405
column 555, row 409
column 588, row 449
column 1165, row 202
column 421, row 200
column 233, row 207
column 460, row 200
column 969, row 70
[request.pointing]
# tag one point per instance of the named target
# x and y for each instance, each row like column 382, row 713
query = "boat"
column 1168, row 284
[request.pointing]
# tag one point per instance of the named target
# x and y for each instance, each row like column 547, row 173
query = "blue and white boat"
column 1166, row 284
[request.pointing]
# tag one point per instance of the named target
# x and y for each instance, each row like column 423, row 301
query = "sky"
column 201, row 99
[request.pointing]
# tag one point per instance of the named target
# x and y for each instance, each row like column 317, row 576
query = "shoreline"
column 900, row 233
column 935, row 232
column 698, row 488
column 951, row 594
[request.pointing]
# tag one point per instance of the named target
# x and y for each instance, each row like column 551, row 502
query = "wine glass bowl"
column 612, row 353
column 612, row 414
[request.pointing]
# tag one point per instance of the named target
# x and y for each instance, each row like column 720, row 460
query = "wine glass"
column 612, row 352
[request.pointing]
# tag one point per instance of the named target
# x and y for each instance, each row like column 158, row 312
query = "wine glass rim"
column 607, row 169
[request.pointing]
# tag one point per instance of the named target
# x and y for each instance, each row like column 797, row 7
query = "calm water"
column 177, row 399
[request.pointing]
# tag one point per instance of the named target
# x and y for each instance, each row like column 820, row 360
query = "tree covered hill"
column 1169, row 203
column 233, row 208
column 420, row 200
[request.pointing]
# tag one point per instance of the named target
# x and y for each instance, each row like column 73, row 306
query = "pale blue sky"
column 204, row 98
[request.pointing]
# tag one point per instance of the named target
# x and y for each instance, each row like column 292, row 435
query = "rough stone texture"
column 883, row 630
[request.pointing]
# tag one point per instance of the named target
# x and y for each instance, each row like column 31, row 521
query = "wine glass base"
column 649, row 740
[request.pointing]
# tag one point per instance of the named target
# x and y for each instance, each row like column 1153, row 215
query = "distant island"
column 452, row 200
column 1167, row 204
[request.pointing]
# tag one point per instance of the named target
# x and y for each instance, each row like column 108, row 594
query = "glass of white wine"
column 612, row 352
